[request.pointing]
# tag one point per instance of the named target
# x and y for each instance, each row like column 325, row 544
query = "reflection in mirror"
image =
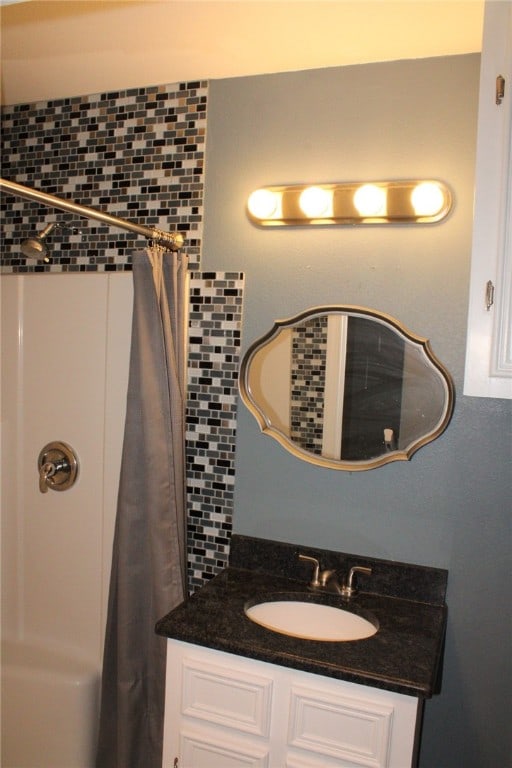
column 346, row 387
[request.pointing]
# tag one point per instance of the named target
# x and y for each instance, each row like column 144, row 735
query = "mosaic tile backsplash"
column 139, row 155
column 135, row 154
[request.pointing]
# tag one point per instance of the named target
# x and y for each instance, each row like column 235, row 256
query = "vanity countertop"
column 404, row 656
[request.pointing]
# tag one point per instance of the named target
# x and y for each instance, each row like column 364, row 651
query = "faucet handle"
column 348, row 590
column 46, row 471
column 315, row 581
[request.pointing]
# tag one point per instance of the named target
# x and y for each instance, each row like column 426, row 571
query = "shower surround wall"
column 138, row 155
column 64, row 367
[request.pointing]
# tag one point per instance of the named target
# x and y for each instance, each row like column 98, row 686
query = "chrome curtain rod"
column 172, row 241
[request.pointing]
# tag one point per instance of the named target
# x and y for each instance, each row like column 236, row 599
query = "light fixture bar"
column 379, row 202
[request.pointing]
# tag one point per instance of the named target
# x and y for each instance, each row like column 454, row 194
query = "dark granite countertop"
column 404, row 655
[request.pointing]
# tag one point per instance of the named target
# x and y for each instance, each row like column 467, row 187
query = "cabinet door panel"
column 217, row 751
column 227, row 696
column 308, row 761
column 340, row 727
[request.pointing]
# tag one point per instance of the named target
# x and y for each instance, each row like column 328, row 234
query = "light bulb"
column 316, row 202
column 370, row 200
column 427, row 199
column 263, row 203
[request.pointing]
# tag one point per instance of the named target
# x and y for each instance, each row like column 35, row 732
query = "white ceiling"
column 57, row 48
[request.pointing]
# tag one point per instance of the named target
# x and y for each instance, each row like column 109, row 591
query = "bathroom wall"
column 137, row 154
column 450, row 505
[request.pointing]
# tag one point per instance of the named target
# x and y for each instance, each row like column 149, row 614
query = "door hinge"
column 500, row 89
column 489, row 295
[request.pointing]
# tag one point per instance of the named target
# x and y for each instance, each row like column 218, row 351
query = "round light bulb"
column 263, row 203
column 370, row 200
column 427, row 199
column 316, row 202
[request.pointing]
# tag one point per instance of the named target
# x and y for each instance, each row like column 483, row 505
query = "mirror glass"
column 346, row 387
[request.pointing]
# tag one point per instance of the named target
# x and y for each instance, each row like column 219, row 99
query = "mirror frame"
column 349, row 465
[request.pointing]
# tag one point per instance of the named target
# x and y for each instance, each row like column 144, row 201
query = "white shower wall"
column 65, row 353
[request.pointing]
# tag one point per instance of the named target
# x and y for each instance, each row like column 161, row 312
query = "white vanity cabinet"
column 227, row 711
column 489, row 345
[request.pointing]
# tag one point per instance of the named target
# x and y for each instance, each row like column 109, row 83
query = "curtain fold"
column 149, row 568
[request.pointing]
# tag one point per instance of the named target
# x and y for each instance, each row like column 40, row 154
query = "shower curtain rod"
column 172, row 241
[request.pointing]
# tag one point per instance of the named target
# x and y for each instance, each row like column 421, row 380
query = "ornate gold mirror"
column 346, row 387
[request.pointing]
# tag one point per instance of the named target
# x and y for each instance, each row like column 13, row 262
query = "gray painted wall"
column 449, row 506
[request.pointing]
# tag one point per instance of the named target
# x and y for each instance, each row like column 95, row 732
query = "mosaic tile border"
column 214, row 354
column 136, row 154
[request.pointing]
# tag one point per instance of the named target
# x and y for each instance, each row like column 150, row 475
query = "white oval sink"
column 311, row 621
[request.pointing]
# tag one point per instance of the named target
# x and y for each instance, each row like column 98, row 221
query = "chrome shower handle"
column 46, row 471
column 58, row 467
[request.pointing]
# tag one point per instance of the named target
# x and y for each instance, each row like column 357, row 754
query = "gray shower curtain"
column 148, row 575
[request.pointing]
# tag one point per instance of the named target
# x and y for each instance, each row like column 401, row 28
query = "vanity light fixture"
column 379, row 202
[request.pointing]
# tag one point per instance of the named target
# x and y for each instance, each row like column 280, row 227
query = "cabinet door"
column 489, row 345
column 217, row 710
column 340, row 725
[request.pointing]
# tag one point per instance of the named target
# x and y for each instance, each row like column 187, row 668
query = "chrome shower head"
column 35, row 247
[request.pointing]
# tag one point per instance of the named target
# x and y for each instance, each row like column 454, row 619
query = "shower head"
column 35, row 247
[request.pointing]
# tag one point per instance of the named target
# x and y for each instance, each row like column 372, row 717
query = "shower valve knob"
column 46, row 471
column 58, row 467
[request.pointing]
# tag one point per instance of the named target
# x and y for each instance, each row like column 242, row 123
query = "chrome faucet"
column 328, row 579
column 321, row 579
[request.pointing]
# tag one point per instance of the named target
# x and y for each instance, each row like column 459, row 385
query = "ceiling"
column 58, row 48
